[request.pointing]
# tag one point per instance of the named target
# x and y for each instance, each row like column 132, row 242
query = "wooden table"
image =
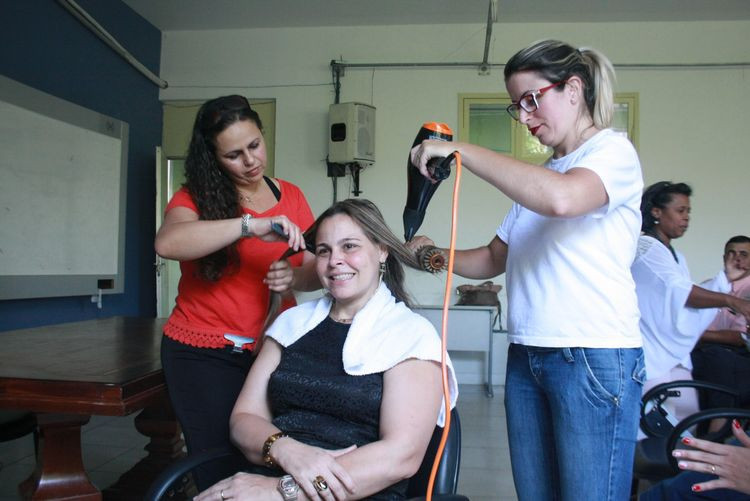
column 65, row 373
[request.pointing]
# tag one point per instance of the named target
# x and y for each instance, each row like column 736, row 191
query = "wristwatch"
column 288, row 488
column 246, row 233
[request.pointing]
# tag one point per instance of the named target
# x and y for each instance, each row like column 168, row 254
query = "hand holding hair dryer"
column 421, row 189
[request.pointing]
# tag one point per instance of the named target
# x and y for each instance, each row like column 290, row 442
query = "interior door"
column 170, row 176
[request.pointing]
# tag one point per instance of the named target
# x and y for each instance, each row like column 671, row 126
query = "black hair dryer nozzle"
column 421, row 189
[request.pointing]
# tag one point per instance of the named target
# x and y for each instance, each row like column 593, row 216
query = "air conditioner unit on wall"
column 351, row 133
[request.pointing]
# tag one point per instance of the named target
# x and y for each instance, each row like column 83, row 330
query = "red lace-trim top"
column 238, row 302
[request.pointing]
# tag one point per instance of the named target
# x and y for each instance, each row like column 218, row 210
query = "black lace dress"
column 314, row 401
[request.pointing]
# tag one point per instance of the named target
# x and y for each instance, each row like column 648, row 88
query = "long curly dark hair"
column 212, row 190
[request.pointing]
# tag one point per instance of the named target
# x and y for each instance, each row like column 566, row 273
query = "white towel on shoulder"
column 383, row 334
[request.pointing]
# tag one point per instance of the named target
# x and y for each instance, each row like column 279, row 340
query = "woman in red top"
column 228, row 226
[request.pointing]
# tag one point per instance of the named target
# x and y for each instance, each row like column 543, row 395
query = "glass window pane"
column 490, row 126
column 620, row 119
column 484, row 121
column 530, row 147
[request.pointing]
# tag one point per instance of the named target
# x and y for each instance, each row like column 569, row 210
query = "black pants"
column 722, row 364
column 203, row 385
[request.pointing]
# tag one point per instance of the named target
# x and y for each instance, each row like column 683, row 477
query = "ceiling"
column 168, row 15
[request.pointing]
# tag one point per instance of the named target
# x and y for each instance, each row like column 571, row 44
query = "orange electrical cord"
column 444, row 333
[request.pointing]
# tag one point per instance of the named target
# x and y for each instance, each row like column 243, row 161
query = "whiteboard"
column 62, row 196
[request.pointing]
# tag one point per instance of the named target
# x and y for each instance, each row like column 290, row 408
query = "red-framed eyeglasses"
column 529, row 102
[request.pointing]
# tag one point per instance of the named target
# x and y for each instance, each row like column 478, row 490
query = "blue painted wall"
column 42, row 45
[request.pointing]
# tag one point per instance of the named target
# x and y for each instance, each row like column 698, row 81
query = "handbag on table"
column 484, row 294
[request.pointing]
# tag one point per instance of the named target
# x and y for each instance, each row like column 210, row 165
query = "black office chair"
column 654, row 422
column 653, row 455
column 15, row 424
column 172, row 481
column 446, row 480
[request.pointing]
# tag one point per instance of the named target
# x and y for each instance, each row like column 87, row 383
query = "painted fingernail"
column 677, row 454
column 736, row 424
column 696, row 488
column 682, row 465
column 686, row 441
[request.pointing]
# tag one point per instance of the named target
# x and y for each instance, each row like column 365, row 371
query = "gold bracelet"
column 267, row 459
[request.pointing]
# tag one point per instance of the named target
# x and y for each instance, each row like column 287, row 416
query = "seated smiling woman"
column 345, row 393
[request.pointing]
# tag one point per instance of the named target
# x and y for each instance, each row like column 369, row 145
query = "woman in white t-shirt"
column 575, row 364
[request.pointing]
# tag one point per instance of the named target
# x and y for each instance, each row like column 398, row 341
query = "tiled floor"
column 112, row 445
column 485, row 462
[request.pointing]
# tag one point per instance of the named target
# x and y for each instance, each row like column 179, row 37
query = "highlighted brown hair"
column 368, row 217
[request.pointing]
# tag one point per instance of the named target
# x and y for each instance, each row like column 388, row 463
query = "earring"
column 382, row 272
column 656, row 221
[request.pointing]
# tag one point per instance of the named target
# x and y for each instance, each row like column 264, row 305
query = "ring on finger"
column 320, row 484
column 223, row 498
column 713, row 470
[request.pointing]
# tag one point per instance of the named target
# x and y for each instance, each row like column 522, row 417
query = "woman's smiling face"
column 347, row 262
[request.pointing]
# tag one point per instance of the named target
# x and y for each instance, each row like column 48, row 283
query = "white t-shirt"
column 669, row 328
column 568, row 279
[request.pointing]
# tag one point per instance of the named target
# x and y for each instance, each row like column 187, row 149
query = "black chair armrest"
column 172, row 473
column 660, row 390
column 15, row 424
column 698, row 417
column 446, row 480
column 653, row 419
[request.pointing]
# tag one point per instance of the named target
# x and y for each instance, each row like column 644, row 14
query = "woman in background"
column 674, row 311
column 227, row 226
column 711, row 471
column 346, row 391
column 575, row 362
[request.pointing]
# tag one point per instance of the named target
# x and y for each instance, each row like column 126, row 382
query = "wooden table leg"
column 59, row 471
column 160, row 424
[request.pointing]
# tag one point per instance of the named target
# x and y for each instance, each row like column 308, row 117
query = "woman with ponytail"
column 575, row 363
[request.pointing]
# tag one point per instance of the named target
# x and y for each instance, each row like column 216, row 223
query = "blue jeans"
column 679, row 488
column 572, row 420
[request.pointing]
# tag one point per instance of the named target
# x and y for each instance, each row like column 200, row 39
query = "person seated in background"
column 346, row 390
column 713, row 471
column 721, row 355
column 674, row 311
